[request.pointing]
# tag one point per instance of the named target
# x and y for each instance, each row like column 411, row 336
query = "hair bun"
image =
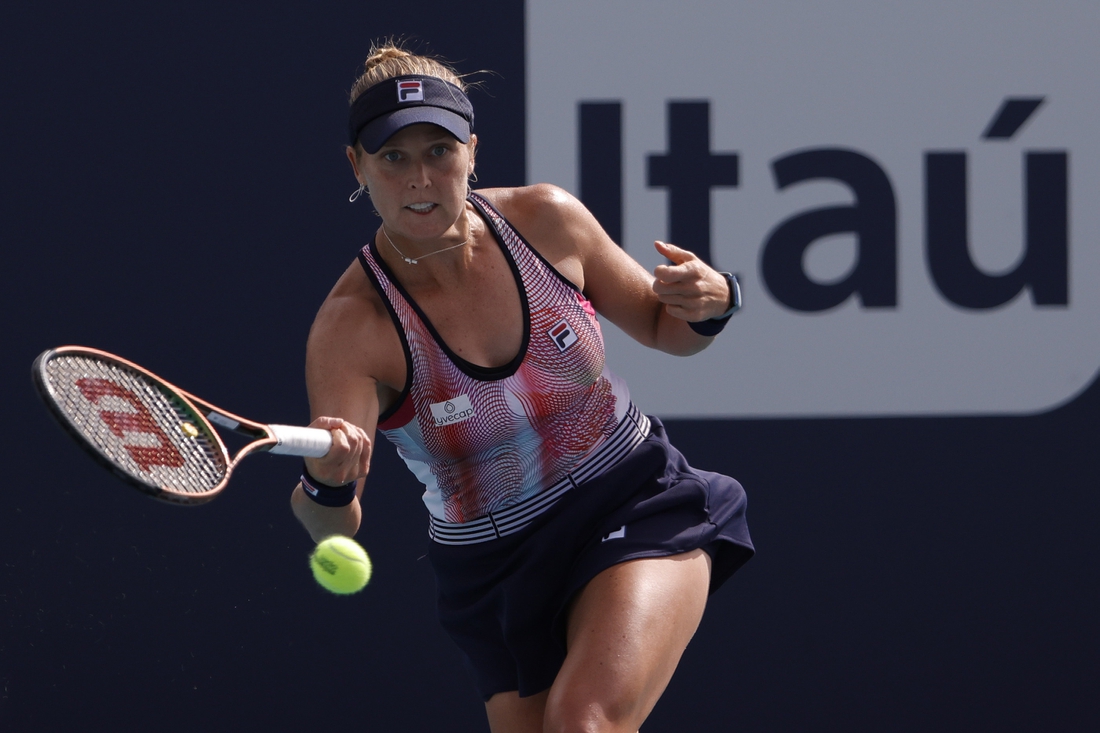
column 380, row 54
column 387, row 59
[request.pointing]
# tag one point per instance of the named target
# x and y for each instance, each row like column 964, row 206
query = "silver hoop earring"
column 359, row 192
column 473, row 177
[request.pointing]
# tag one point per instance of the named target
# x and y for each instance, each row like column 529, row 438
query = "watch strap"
column 714, row 326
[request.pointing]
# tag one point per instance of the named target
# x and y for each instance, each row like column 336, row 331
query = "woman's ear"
column 473, row 154
column 353, row 158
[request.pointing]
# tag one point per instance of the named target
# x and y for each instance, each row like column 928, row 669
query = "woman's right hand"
column 347, row 460
column 349, row 457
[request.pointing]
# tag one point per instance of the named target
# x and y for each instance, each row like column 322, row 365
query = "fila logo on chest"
column 563, row 335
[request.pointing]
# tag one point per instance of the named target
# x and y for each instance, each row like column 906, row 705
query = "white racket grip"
column 295, row 441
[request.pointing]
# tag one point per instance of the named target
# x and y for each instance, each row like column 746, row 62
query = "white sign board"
column 871, row 169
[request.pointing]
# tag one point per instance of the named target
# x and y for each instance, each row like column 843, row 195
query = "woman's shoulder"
column 354, row 355
column 548, row 217
column 529, row 208
column 352, row 312
column 555, row 223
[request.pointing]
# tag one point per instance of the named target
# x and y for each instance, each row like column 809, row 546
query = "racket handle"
column 295, row 441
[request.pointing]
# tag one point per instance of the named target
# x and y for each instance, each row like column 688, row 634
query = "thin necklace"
column 414, row 260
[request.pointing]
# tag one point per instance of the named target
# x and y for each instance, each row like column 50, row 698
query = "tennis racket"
column 150, row 433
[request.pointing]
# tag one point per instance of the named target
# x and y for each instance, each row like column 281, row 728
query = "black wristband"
column 326, row 495
column 710, row 327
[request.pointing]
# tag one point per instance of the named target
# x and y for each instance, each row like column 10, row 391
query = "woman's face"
column 417, row 180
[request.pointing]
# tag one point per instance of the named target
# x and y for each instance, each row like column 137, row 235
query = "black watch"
column 714, row 326
column 735, row 295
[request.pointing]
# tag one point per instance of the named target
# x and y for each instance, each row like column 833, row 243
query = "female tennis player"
column 574, row 547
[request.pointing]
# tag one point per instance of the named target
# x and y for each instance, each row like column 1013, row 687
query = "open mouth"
column 421, row 208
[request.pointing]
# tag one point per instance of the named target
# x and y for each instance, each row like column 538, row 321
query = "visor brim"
column 375, row 134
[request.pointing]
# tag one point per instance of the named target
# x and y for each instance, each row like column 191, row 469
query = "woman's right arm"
column 343, row 397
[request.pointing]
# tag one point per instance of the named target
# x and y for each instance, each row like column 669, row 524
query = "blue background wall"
column 174, row 190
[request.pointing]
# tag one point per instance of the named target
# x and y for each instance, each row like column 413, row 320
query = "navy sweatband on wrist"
column 325, row 495
column 711, row 327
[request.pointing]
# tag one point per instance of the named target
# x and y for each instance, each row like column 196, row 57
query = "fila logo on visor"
column 563, row 335
column 410, row 91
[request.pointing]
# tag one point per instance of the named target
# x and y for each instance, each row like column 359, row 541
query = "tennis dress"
column 540, row 473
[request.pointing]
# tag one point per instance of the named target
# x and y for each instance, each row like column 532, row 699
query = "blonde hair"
column 387, row 59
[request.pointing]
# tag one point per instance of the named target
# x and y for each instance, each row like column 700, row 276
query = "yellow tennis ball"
column 340, row 565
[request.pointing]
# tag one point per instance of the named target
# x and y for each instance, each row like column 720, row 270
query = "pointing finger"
column 677, row 255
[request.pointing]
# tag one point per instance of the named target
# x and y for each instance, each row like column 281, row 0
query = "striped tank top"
column 494, row 447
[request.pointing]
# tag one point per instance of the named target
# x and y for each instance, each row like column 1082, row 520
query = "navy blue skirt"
column 503, row 601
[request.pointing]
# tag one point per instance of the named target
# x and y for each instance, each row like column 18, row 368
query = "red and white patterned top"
column 482, row 439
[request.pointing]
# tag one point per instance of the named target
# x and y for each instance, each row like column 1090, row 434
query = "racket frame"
column 201, row 411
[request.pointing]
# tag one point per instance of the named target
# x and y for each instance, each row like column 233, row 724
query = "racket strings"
column 139, row 427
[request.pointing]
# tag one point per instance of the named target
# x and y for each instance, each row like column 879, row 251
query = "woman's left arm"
column 653, row 309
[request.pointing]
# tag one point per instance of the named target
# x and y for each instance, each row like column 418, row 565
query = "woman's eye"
column 439, row 150
column 392, row 156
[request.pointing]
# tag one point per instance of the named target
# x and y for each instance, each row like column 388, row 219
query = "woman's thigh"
column 510, row 713
column 627, row 630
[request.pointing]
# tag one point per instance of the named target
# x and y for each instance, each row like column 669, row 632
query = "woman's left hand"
column 691, row 289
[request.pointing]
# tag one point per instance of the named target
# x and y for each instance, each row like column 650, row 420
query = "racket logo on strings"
column 137, row 421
